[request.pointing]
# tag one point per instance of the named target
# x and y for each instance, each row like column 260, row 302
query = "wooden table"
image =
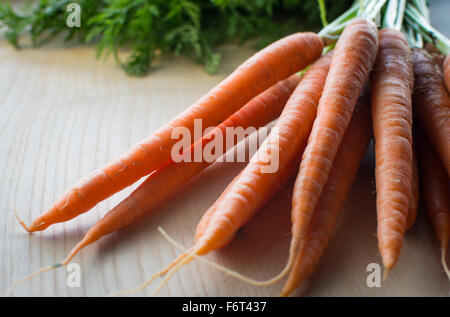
column 64, row 113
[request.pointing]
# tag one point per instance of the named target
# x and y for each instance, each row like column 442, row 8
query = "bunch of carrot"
column 357, row 82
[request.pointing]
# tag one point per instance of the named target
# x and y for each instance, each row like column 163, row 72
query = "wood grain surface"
column 64, row 113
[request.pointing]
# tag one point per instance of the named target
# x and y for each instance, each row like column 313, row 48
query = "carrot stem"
column 416, row 19
column 323, row 12
column 393, row 17
column 413, row 37
column 331, row 31
column 360, row 8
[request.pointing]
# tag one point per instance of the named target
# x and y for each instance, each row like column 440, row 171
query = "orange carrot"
column 352, row 60
column 435, row 193
column 165, row 181
column 270, row 65
column 446, row 67
column 350, row 154
column 414, row 199
column 391, row 89
column 252, row 187
column 431, row 102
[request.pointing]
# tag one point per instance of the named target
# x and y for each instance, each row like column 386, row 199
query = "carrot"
column 350, row 154
column 270, row 65
column 435, row 53
column 431, row 102
column 435, row 193
column 391, row 89
column 414, row 199
column 446, row 67
column 165, row 181
column 252, row 187
column 352, row 60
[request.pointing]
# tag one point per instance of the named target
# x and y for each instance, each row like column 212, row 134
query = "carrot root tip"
column 444, row 262
column 30, row 276
column 171, row 272
column 22, row 223
column 136, row 289
column 283, row 294
column 191, row 254
column 150, row 280
column 386, row 273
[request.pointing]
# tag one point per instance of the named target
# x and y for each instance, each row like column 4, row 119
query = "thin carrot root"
column 150, row 280
column 172, row 271
column 30, row 276
column 31, row 228
column 444, row 262
column 22, row 223
column 225, row 269
column 190, row 255
column 85, row 241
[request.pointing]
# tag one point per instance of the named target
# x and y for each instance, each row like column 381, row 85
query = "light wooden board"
column 63, row 113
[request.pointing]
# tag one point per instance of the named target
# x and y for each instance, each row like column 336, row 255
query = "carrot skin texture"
column 446, row 67
column 342, row 174
column 435, row 54
column 270, row 65
column 431, row 102
column 414, row 199
column 165, row 181
column 391, row 89
column 352, row 60
column 434, row 189
column 251, row 188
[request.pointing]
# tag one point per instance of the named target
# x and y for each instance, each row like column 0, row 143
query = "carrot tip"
column 22, row 223
column 444, row 262
column 283, row 294
column 386, row 273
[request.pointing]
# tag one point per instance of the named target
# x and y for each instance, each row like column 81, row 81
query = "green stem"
column 400, row 15
column 393, row 17
column 414, row 38
column 390, row 14
column 373, row 12
column 412, row 24
column 421, row 24
column 421, row 5
column 366, row 7
column 331, row 32
column 323, row 12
